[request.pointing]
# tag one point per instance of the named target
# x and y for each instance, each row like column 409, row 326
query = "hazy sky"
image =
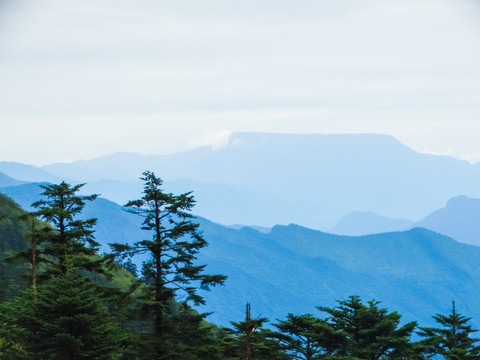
column 80, row 79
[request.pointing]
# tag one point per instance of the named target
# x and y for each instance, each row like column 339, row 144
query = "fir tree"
column 370, row 332
column 306, row 337
column 72, row 245
column 67, row 319
column 172, row 252
column 252, row 341
column 191, row 337
column 453, row 339
column 33, row 255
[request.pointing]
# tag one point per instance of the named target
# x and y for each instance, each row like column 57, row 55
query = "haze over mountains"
column 364, row 223
column 267, row 179
column 459, row 219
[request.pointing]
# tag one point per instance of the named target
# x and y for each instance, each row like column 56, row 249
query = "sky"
column 82, row 79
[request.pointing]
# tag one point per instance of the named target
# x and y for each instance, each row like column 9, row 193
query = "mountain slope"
column 6, row 180
column 29, row 173
column 459, row 219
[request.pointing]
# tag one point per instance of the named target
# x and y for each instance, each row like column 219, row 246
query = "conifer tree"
column 72, row 245
column 453, row 340
column 305, row 337
column 33, row 255
column 370, row 332
column 2, row 261
column 67, row 320
column 252, row 341
column 191, row 337
column 171, row 251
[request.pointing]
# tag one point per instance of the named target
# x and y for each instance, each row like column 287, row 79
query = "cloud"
column 216, row 140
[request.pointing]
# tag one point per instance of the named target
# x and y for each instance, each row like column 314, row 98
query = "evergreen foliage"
column 253, row 341
column 72, row 245
column 369, row 332
column 33, row 256
column 175, row 242
column 306, row 337
column 67, row 319
column 453, row 340
column 12, row 240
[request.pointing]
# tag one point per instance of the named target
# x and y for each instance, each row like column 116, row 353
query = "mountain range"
column 266, row 179
column 293, row 269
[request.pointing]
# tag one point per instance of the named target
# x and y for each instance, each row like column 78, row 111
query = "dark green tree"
column 12, row 240
column 191, row 337
column 17, row 328
column 72, row 246
column 172, row 250
column 67, row 320
column 33, row 255
column 252, row 341
column 453, row 340
column 2, row 260
column 370, row 332
column 305, row 337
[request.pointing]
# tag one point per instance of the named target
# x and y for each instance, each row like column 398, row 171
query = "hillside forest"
column 62, row 299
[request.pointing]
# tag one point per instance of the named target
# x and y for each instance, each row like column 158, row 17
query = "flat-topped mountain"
column 328, row 176
column 313, row 180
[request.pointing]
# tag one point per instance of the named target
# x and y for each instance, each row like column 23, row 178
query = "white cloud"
column 216, row 140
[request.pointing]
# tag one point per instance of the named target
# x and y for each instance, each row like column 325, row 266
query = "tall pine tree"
column 453, row 339
column 370, row 332
column 305, row 337
column 72, row 246
column 171, row 250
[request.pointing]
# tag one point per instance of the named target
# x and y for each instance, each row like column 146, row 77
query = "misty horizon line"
column 221, row 139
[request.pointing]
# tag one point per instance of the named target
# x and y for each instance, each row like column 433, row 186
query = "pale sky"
column 81, row 79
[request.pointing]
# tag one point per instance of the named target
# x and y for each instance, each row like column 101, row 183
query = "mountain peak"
column 461, row 199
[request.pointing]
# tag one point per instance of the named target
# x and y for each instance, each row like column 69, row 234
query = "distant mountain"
column 364, row 223
column 6, row 180
column 29, row 173
column 293, row 269
column 459, row 219
column 312, row 180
